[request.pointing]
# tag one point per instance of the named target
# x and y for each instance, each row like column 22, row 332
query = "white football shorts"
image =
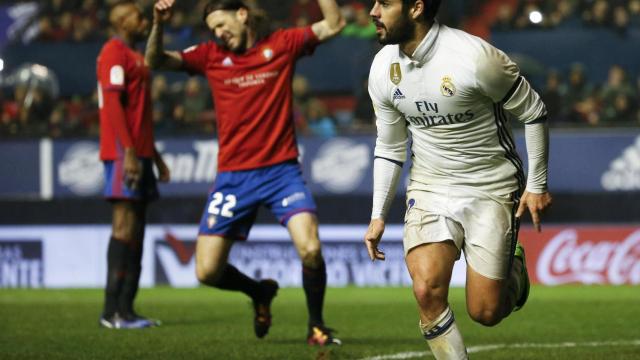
column 482, row 225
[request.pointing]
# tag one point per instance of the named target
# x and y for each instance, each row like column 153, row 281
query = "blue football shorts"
column 115, row 187
column 234, row 200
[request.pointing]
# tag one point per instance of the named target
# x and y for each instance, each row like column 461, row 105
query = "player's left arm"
column 156, row 57
column 164, row 174
column 536, row 197
column 500, row 79
column 332, row 23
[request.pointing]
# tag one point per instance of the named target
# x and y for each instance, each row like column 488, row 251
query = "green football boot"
column 524, row 278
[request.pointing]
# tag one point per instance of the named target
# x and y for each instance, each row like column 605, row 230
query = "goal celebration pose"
column 249, row 69
column 452, row 94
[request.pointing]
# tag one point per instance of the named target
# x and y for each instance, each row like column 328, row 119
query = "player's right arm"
column 390, row 154
column 114, row 112
column 111, row 83
column 155, row 56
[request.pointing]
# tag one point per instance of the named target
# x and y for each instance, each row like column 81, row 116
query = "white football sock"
column 444, row 338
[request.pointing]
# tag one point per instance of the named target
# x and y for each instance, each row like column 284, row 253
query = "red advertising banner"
column 583, row 254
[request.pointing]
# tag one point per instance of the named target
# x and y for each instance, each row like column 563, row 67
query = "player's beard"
column 241, row 46
column 402, row 31
column 141, row 34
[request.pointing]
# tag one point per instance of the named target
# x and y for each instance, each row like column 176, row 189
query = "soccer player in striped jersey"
column 250, row 68
column 452, row 94
column 129, row 154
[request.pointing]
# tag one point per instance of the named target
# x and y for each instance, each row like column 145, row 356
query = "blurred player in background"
column 250, row 68
column 451, row 92
column 128, row 152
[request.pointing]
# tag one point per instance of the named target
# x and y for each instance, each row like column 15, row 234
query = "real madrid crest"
column 447, row 88
column 395, row 74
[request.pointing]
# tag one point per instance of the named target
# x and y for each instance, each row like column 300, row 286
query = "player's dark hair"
column 215, row 5
column 431, row 8
column 258, row 19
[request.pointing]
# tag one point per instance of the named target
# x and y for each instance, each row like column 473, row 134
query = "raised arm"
column 155, row 56
column 332, row 23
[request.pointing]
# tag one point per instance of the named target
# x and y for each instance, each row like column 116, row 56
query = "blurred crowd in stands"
column 185, row 107
column 617, row 15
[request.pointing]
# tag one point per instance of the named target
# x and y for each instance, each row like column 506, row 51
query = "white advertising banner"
column 75, row 256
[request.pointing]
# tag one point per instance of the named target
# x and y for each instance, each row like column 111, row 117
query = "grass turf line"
column 207, row 323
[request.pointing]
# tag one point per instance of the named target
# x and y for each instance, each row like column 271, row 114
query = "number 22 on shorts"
column 228, row 203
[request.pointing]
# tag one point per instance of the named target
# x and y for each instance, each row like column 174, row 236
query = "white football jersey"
column 451, row 96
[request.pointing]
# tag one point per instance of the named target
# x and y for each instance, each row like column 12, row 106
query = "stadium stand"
column 582, row 87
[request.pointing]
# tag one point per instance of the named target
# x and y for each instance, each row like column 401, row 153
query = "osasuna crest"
column 395, row 74
column 447, row 88
column 211, row 221
column 267, row 53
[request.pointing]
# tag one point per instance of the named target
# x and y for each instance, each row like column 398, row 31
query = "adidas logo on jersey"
column 398, row 95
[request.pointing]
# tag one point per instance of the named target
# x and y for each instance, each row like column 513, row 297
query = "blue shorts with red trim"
column 115, row 187
column 233, row 202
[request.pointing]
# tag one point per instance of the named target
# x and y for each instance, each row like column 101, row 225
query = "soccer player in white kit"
column 450, row 92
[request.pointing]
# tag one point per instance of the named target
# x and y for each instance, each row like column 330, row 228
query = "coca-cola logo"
column 564, row 260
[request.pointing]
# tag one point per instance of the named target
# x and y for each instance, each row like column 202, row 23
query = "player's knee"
column 487, row 316
column 121, row 235
column 123, row 232
column 208, row 273
column 430, row 293
column 311, row 256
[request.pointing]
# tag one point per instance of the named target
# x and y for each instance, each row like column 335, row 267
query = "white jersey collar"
column 425, row 50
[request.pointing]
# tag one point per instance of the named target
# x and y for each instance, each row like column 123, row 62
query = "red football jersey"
column 123, row 70
column 253, row 97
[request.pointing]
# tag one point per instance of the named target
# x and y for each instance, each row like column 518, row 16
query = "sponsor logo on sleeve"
column 395, row 74
column 116, row 75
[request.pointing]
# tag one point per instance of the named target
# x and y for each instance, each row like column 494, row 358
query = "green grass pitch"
column 568, row 322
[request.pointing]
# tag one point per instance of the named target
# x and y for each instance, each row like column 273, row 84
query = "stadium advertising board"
column 584, row 254
column 336, row 166
column 21, row 264
column 19, row 169
column 270, row 254
column 75, row 256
